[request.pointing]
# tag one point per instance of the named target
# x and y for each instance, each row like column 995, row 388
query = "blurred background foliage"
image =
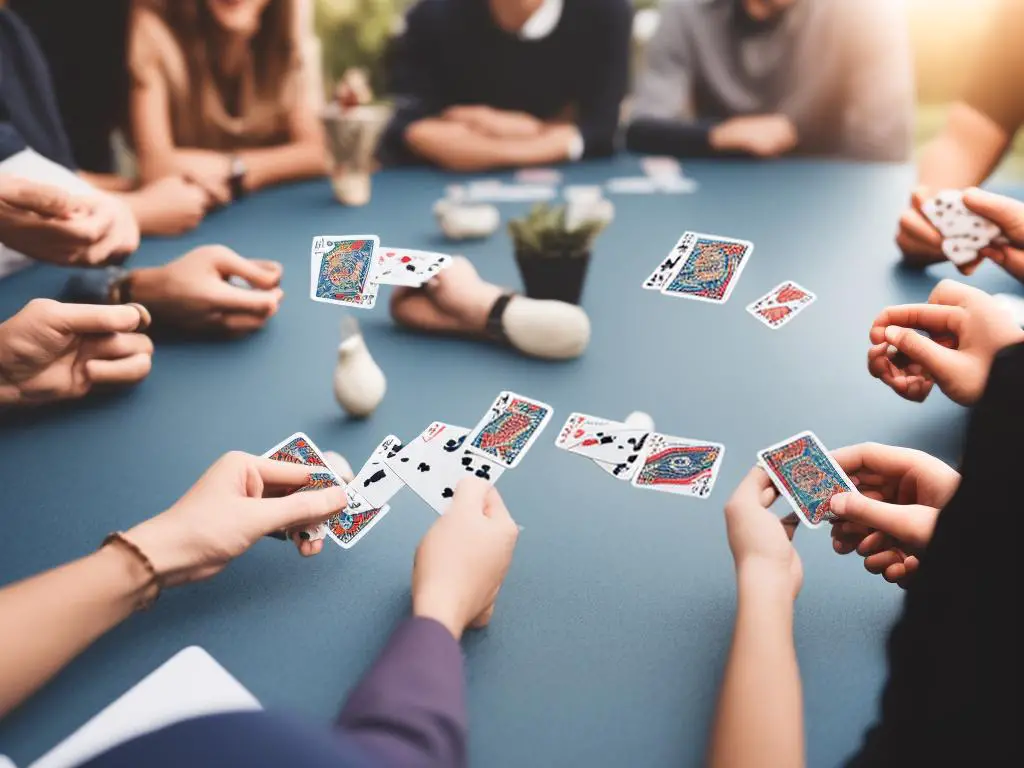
column 947, row 36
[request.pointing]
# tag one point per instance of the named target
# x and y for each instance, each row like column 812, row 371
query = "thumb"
column 259, row 274
column 96, row 318
column 42, row 199
column 936, row 358
column 470, row 496
column 909, row 523
column 1004, row 212
column 301, row 508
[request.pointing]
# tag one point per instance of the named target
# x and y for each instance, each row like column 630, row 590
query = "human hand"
column 758, row 135
column 353, row 89
column 967, row 328
column 761, row 543
column 462, row 561
column 52, row 351
column 170, row 206
column 1007, row 214
column 192, row 292
column 892, row 518
column 240, row 499
column 48, row 224
column 917, row 238
column 497, row 123
column 208, row 169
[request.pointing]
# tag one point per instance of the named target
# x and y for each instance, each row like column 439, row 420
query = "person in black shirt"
column 498, row 83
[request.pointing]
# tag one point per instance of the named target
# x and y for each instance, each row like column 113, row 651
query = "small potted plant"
column 553, row 254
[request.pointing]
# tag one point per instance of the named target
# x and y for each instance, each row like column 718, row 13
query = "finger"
column 910, row 523
column 935, row 358
column 116, row 346
column 241, row 322
column 306, row 547
column 230, row 298
column 895, row 573
column 126, row 370
column 281, row 474
column 790, row 523
column 271, row 267
column 875, row 542
column 42, row 199
column 145, row 318
column 94, row 318
column 878, row 563
column 494, row 506
column 484, row 618
column 218, row 192
column 1005, row 212
column 876, row 463
column 939, row 318
column 229, row 264
column 299, row 509
column 1010, row 259
column 915, row 226
column 470, row 496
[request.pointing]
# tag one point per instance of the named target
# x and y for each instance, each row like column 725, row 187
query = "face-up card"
column 671, row 263
column 342, row 270
column 403, row 266
column 710, row 270
column 616, row 444
column 509, row 428
column 948, row 214
column 433, row 464
column 298, row 449
column 806, row 475
column 548, row 176
column 355, row 521
column 661, row 166
column 781, row 304
column 580, row 428
column 963, row 249
column 680, row 465
column 376, row 482
column 632, row 185
column 318, row 480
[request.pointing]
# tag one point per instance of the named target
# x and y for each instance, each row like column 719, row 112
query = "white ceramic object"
column 359, row 383
column 466, row 222
column 553, row 330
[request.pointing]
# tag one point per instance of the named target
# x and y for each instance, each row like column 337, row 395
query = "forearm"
column 458, row 148
column 760, row 715
column 965, row 153
column 410, row 708
column 47, row 620
column 288, row 162
column 109, row 182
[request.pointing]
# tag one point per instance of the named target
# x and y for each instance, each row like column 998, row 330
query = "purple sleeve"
column 410, row 708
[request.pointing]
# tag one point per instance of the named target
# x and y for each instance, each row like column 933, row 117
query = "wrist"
column 765, row 581
column 439, row 611
column 144, row 284
column 719, row 137
column 127, row 569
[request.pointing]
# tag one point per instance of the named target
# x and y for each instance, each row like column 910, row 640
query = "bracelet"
column 119, row 538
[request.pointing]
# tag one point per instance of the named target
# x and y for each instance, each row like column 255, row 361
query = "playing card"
column 434, row 462
column 583, row 193
column 508, row 193
column 546, row 176
column 806, row 475
column 377, row 482
column 675, row 185
column 342, row 270
column 680, row 465
column 318, row 480
column 403, row 266
column 963, row 249
column 671, row 263
column 298, row 449
column 509, row 428
column 355, row 521
column 632, row 185
column 781, row 304
column 710, row 270
column 582, row 433
column 948, row 214
column 661, row 166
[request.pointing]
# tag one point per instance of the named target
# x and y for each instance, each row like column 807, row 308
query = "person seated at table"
column 951, row 651
column 502, row 83
column 765, row 78
column 32, row 130
column 980, row 129
column 408, row 710
column 458, row 301
column 219, row 95
column 966, row 328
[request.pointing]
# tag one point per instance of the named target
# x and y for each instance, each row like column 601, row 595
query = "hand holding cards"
column 964, row 232
column 349, row 269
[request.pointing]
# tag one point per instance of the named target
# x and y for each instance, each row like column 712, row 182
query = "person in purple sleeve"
column 409, row 710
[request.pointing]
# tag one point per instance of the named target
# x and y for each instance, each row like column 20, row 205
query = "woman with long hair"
column 219, row 94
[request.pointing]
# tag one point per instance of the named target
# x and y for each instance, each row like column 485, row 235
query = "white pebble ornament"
column 359, row 383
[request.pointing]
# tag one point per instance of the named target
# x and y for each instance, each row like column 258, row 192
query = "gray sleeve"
column 664, row 88
column 879, row 112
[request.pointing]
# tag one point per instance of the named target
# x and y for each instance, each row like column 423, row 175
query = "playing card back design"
column 298, row 449
column 510, row 431
column 680, row 467
column 345, row 270
column 347, row 529
column 805, row 474
column 710, row 271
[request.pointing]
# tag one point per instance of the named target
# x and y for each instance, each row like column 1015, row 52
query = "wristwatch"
column 494, row 329
column 119, row 289
column 237, row 177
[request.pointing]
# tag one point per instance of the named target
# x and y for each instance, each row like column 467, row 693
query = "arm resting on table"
column 410, row 708
column 454, row 146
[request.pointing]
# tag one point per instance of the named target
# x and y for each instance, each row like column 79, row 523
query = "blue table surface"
column 613, row 626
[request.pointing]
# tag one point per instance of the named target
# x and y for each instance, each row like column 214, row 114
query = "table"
column 614, row 624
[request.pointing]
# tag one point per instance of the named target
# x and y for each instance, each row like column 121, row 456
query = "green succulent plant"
column 543, row 230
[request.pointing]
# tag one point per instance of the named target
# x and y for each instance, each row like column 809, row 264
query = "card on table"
column 964, row 232
column 661, row 166
column 632, row 185
column 509, row 428
column 342, row 270
column 781, row 304
column 664, row 271
column 806, row 475
column 710, row 268
column 433, row 463
column 377, row 482
column 680, row 465
column 404, row 266
column 547, row 176
column 612, row 445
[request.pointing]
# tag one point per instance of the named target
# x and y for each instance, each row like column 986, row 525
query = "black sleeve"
column 657, row 136
column 954, row 656
column 608, row 77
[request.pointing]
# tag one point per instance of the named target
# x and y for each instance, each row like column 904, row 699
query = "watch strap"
column 494, row 328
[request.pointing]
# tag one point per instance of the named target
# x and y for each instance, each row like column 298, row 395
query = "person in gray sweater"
column 766, row 78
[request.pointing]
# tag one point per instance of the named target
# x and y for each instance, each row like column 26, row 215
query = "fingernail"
column 145, row 319
column 838, row 504
column 891, row 331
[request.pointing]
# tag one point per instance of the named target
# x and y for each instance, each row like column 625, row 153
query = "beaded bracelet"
column 120, row 538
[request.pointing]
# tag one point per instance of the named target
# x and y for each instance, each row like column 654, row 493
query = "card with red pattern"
column 509, row 428
column 806, row 475
column 781, row 304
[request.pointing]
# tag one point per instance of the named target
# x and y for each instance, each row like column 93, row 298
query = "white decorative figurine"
column 462, row 220
column 359, row 383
